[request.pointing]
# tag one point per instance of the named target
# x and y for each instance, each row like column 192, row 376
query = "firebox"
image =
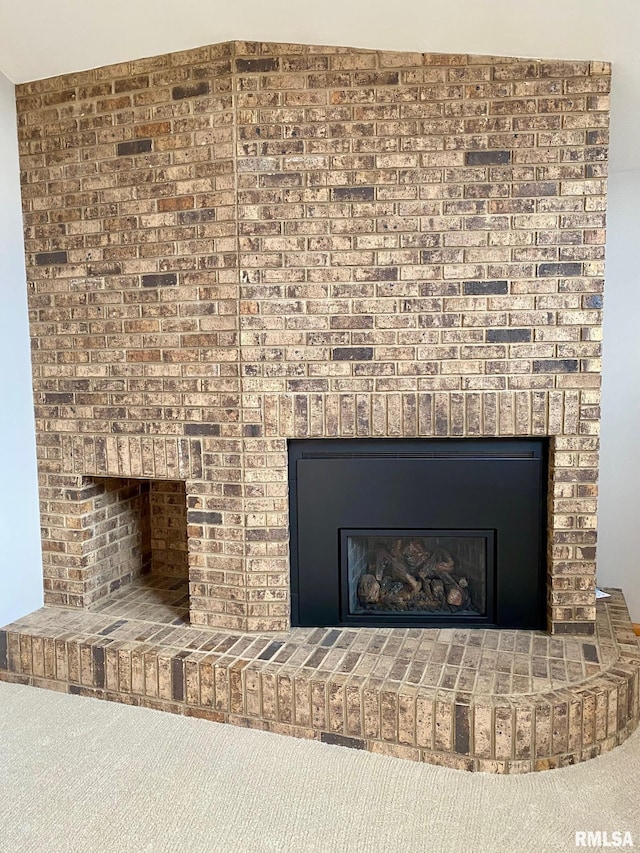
column 425, row 533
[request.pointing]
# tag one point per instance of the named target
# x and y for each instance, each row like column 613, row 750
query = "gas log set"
column 416, row 574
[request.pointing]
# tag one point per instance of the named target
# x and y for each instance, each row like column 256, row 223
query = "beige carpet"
column 83, row 775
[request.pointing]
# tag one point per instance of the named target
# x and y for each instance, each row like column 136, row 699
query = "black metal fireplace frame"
column 494, row 484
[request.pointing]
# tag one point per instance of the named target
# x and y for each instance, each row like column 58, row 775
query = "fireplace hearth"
column 418, row 533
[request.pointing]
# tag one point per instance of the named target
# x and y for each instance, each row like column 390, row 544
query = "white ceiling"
column 43, row 38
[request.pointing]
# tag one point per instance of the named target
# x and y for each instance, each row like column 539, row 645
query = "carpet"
column 86, row 776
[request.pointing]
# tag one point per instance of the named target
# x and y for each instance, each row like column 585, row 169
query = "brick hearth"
column 472, row 699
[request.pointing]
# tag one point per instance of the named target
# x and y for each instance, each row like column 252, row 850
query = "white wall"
column 88, row 35
column 20, row 563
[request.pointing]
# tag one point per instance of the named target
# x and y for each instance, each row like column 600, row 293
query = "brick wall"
column 245, row 243
column 96, row 537
column 168, row 528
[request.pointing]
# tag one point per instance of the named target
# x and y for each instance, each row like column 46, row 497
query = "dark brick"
column 98, row 666
column 551, row 270
column 377, row 274
column 508, row 336
column 202, row 429
column 597, row 137
column 585, row 628
column 330, row 638
column 461, row 745
column 300, row 386
column 487, row 158
column 207, row 214
column 81, row 494
column 598, row 153
column 555, row 365
column 180, row 92
column 592, row 301
column 196, row 458
column 376, row 78
column 273, row 534
column 442, row 424
column 136, row 146
column 3, row 650
column 342, row 740
column 590, row 653
column 454, row 656
column 270, row 650
column 129, row 84
column 177, row 677
column 202, row 517
column 75, row 384
column 111, row 628
column 540, row 668
column 316, row 658
column 59, row 97
column 45, row 259
column 587, row 552
column 353, row 194
column 252, row 430
column 484, row 288
column 352, row 354
column 305, row 63
column 535, row 188
column 57, row 399
column 222, row 646
column 255, row 66
column 233, row 490
column 166, row 279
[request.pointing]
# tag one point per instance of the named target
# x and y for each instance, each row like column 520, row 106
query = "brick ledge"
column 515, row 733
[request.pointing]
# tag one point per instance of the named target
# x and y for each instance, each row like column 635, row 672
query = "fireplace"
column 418, row 533
column 252, row 244
column 371, row 281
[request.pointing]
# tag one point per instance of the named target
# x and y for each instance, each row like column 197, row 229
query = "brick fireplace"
column 249, row 243
column 243, row 247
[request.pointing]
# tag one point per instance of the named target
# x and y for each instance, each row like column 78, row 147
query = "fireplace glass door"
column 391, row 572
